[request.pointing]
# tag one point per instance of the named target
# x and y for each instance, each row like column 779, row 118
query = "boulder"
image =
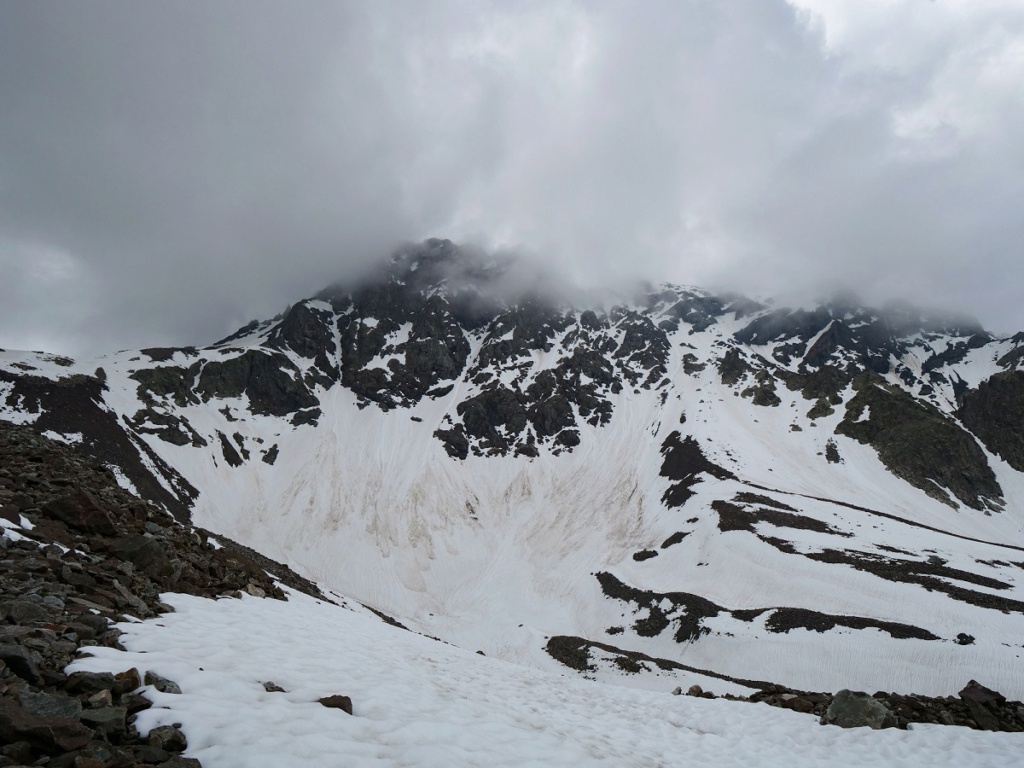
column 26, row 612
column 975, row 691
column 127, row 681
column 337, row 701
column 110, row 721
column 48, row 734
column 167, row 738
column 182, row 762
column 20, row 662
column 80, row 510
column 88, row 683
column 162, row 684
column 50, row 705
column 146, row 554
column 856, row 709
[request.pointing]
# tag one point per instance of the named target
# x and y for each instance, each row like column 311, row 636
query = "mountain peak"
column 657, row 480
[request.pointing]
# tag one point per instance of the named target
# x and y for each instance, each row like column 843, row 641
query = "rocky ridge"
column 531, row 371
column 79, row 554
column 975, row 706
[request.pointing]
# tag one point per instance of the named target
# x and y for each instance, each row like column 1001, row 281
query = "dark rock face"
column 491, row 413
column 918, row 443
column 308, row 332
column 861, row 341
column 272, row 382
column 435, row 349
column 732, row 367
column 995, row 413
column 683, row 464
column 228, row 451
column 784, row 619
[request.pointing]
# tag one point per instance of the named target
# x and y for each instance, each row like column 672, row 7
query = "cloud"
column 202, row 164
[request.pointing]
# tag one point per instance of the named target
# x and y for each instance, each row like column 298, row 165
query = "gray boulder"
column 855, row 709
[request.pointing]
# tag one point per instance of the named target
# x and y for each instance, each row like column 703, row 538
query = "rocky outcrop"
column 74, row 404
column 684, row 463
column 994, row 411
column 920, row 444
column 689, row 614
column 272, row 383
column 975, row 707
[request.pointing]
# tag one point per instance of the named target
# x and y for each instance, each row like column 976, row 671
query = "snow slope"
column 417, row 702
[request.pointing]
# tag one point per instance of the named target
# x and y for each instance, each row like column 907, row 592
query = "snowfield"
column 419, row 702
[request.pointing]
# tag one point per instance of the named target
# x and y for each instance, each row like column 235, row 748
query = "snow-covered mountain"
column 677, row 486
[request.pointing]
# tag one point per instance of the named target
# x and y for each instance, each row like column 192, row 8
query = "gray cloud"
column 168, row 171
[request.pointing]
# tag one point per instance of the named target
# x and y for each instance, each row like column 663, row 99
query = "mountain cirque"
column 707, row 487
column 79, row 553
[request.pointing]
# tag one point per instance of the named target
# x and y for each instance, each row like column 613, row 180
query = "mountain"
column 680, row 486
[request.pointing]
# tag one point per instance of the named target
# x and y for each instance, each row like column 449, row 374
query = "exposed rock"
column 645, row 554
column 684, row 462
column 50, row 705
column 88, row 683
column 162, row 684
column 167, row 738
column 917, row 442
column 975, row 691
column 80, row 510
column 182, row 762
column 337, row 701
column 109, row 721
column 994, row 412
column 272, row 383
column 19, row 661
column 855, row 709
column 50, row 735
column 732, row 367
column 55, row 601
column 145, row 553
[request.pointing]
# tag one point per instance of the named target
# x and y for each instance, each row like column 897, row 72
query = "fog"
column 170, row 171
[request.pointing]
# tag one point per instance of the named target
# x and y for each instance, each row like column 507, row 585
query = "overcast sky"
column 171, row 170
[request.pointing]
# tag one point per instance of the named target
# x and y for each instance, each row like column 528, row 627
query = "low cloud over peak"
column 170, row 171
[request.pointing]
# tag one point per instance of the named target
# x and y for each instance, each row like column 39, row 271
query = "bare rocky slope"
column 80, row 555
